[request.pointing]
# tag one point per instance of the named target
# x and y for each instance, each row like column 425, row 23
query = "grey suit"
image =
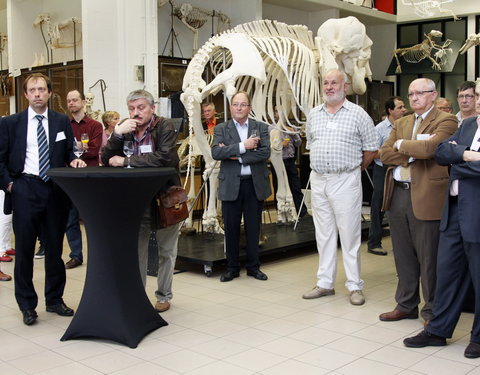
column 242, row 194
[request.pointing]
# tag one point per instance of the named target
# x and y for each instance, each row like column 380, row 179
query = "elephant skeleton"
column 280, row 66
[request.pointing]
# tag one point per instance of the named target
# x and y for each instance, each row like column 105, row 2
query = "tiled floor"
column 241, row 327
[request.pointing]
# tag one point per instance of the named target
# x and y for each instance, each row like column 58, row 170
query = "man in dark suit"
column 415, row 187
column 458, row 261
column 243, row 146
column 31, row 142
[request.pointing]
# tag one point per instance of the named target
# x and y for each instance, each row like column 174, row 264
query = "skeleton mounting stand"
column 172, row 34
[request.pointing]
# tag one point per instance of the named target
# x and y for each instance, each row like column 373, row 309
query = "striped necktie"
column 43, row 159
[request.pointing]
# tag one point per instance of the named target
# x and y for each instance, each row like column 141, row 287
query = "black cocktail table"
column 111, row 202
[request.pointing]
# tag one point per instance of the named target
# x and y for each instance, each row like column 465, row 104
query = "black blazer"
column 468, row 176
column 229, row 175
column 13, row 146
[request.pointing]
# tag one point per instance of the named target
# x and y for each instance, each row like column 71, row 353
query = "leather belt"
column 402, row 185
column 245, row 177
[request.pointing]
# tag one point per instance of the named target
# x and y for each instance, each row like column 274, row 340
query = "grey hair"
column 141, row 94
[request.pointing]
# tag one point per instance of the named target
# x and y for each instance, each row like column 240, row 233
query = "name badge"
column 60, row 136
column 145, row 149
column 423, row 137
column 331, row 125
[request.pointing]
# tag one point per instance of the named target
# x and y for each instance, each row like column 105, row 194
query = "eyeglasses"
column 467, row 96
column 418, row 93
column 445, row 108
column 241, row 105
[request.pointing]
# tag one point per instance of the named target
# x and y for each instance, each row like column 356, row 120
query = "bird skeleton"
column 472, row 40
column 280, row 66
column 421, row 51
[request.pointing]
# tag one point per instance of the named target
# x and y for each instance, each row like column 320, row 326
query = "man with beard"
column 154, row 140
column 81, row 124
column 342, row 142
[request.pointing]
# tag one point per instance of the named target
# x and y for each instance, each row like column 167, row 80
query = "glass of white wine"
column 254, row 134
column 77, row 149
column 128, row 151
column 84, row 138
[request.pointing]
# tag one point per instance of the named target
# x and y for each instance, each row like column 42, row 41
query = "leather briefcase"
column 172, row 206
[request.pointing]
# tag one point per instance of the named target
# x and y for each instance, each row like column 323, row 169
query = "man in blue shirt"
column 394, row 108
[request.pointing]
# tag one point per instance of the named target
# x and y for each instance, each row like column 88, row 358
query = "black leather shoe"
column 29, row 317
column 60, row 309
column 423, row 339
column 259, row 275
column 472, row 350
column 229, row 276
column 377, row 251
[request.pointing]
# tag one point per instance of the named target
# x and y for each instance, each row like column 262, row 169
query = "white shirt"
column 243, row 134
column 31, row 157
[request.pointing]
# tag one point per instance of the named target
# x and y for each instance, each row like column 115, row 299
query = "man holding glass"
column 88, row 135
column 154, row 145
column 243, row 146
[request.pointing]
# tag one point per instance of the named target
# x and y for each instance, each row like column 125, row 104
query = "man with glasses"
column 444, row 104
column 466, row 101
column 243, row 146
column 415, row 188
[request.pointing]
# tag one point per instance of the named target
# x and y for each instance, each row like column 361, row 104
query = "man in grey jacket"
column 243, row 146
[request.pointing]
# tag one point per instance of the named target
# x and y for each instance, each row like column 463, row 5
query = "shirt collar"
column 238, row 124
column 32, row 113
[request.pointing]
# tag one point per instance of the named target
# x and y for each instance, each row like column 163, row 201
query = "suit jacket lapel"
column 21, row 135
column 427, row 121
column 52, row 132
column 232, row 130
column 469, row 132
column 408, row 128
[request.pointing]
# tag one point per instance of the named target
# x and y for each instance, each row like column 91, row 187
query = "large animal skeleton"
column 55, row 31
column 194, row 18
column 423, row 50
column 279, row 65
column 472, row 40
column 423, row 8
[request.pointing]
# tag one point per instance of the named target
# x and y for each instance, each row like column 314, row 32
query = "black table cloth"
column 111, row 202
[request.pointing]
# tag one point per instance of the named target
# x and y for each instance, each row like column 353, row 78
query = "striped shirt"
column 337, row 141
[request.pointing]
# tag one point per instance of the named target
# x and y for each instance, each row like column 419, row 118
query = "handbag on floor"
column 172, row 206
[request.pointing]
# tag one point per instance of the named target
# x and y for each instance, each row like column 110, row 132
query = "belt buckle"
column 406, row 185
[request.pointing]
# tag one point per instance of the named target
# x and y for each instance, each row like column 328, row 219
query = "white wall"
column 238, row 11
column 119, row 35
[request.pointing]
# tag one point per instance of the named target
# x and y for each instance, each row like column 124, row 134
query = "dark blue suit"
column 37, row 206
column 458, row 261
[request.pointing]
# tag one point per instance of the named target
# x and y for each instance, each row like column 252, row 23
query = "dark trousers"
column 74, row 234
column 415, row 244
column 38, row 207
column 376, row 214
column 295, row 186
column 247, row 205
column 458, row 264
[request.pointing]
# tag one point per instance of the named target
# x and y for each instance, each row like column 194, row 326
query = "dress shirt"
column 398, row 144
column 383, row 129
column 243, row 134
column 288, row 152
column 474, row 146
column 31, row 157
column 95, row 137
column 337, row 141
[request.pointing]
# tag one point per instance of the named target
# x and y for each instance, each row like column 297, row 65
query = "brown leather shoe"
column 396, row 314
column 162, row 306
column 5, row 277
column 72, row 263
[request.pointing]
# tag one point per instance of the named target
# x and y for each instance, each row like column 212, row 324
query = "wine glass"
column 254, row 134
column 128, row 151
column 77, row 149
column 84, row 139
